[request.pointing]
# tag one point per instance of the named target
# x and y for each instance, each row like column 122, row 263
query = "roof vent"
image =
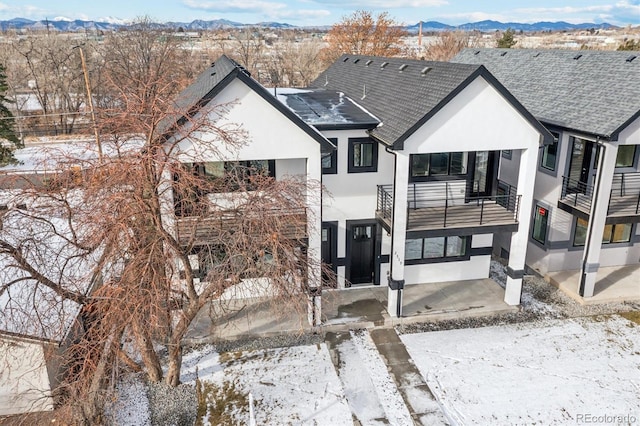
column 345, row 59
column 425, row 70
column 536, row 55
column 631, row 58
column 384, row 64
column 369, row 62
column 213, row 73
column 403, row 67
column 503, row 53
column 578, row 56
column 356, row 61
column 477, row 52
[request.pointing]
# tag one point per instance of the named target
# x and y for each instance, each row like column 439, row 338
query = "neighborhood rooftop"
column 592, row 91
column 400, row 92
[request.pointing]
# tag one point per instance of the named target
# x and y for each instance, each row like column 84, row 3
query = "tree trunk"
column 149, row 355
column 175, row 363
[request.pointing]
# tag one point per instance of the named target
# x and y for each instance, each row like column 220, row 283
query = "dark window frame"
column 539, row 208
column 333, row 155
column 507, row 154
column 441, row 176
column 351, row 168
column 544, row 155
column 459, row 258
column 612, row 228
column 633, row 157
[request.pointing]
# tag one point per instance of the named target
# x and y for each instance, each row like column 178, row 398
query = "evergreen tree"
column 8, row 139
column 507, row 41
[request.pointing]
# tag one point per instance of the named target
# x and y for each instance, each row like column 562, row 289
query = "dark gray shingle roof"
column 595, row 92
column 400, row 98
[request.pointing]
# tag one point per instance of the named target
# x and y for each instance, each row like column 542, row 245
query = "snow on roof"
column 27, row 306
column 319, row 108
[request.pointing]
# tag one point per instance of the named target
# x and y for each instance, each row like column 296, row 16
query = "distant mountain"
column 109, row 24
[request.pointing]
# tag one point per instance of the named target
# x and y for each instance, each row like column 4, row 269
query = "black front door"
column 579, row 165
column 362, row 250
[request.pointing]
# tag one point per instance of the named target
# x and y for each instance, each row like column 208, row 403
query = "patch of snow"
column 296, row 385
column 131, row 407
column 548, row 372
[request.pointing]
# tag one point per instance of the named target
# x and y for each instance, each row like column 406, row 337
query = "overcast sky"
column 326, row 12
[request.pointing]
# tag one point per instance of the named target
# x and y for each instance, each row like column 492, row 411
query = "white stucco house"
column 411, row 167
column 586, row 206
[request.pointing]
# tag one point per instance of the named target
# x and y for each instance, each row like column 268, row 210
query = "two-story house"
column 414, row 192
column 586, row 206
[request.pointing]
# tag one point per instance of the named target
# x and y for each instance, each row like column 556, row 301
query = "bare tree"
column 364, row 34
column 142, row 239
column 447, row 45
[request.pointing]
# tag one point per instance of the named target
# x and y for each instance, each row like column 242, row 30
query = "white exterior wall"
column 353, row 196
column 24, row 381
column 267, row 134
column 477, row 119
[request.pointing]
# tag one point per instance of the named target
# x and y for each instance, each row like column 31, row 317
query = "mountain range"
column 67, row 25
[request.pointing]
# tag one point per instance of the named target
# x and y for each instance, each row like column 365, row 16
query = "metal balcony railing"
column 432, row 206
column 624, row 199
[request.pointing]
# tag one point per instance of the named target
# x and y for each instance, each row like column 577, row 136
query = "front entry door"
column 362, row 250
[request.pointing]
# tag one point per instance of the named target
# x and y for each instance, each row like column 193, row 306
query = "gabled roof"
column 595, row 92
column 211, row 82
column 326, row 109
column 405, row 93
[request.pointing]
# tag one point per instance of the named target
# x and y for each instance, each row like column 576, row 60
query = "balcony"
column 435, row 207
column 209, row 228
column 624, row 200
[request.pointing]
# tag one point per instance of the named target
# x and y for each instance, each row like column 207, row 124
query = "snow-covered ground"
column 546, row 372
column 296, row 385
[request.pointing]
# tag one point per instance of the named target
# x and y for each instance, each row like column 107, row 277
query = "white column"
column 597, row 219
column 314, row 226
column 520, row 238
column 398, row 235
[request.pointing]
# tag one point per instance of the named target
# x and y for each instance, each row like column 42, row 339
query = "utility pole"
column 90, row 102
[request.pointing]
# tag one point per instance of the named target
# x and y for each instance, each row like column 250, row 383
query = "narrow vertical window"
column 540, row 221
column 549, row 154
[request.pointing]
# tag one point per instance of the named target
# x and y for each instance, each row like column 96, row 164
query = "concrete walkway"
column 422, row 405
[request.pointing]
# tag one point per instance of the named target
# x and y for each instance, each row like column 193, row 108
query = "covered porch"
column 349, row 309
column 613, row 284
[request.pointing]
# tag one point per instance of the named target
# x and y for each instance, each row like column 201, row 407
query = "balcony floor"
column 619, row 206
column 469, row 215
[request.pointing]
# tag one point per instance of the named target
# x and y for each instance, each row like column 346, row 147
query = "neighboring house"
column 277, row 141
column 587, row 195
column 414, row 190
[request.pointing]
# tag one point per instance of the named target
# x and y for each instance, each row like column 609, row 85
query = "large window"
column 228, row 176
column 438, row 164
column 626, row 156
column 613, row 233
column 424, row 250
column 540, row 221
column 330, row 159
column 550, row 153
column 363, row 155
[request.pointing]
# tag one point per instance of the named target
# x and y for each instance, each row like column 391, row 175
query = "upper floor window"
column 330, row 159
column 626, row 155
column 550, row 154
column 228, row 176
column 438, row 164
column 363, row 155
